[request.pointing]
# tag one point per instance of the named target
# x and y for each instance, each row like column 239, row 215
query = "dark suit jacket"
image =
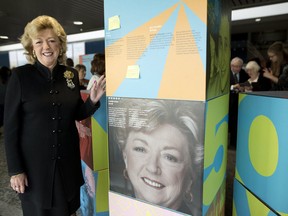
column 233, row 105
column 40, row 130
column 243, row 76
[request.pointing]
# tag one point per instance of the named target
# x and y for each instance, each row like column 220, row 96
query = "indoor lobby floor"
column 10, row 204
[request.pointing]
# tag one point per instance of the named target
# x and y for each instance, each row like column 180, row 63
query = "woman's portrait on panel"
column 160, row 146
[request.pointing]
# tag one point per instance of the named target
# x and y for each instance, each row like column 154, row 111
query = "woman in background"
column 82, row 73
column 278, row 73
column 256, row 81
column 97, row 68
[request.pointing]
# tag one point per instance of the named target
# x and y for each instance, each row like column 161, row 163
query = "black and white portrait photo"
column 156, row 151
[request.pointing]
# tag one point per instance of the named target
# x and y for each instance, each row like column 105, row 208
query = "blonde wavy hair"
column 34, row 27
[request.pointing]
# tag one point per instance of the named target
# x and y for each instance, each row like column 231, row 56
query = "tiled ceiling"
column 14, row 15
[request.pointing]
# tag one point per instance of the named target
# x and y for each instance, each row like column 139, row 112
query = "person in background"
column 41, row 139
column 82, row 73
column 97, row 68
column 237, row 75
column 278, row 73
column 5, row 73
column 69, row 62
column 256, row 82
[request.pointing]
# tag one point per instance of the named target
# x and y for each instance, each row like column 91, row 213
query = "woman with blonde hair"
column 42, row 103
column 256, row 81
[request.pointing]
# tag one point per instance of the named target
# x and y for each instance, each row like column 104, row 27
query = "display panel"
column 215, row 156
column 218, row 49
column 261, row 157
column 164, row 47
column 245, row 203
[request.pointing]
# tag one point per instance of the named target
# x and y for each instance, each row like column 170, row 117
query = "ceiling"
column 14, row 15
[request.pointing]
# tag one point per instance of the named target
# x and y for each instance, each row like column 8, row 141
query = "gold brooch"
column 69, row 76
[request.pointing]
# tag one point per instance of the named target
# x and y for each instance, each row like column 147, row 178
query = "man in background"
column 237, row 75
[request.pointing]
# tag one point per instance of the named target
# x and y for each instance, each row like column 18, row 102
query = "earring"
column 61, row 52
column 188, row 193
column 189, row 196
column 34, row 54
column 125, row 174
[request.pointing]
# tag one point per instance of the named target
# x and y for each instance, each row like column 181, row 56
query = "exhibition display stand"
column 260, row 185
column 167, row 52
column 94, row 158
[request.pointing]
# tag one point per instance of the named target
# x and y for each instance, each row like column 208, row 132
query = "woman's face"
column 252, row 72
column 272, row 57
column 158, row 165
column 82, row 74
column 47, row 47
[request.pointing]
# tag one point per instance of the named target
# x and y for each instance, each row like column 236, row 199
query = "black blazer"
column 40, row 131
column 263, row 84
column 243, row 76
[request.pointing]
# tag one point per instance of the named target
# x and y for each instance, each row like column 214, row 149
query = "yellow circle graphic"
column 263, row 145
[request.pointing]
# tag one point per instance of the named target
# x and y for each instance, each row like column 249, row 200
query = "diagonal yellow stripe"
column 184, row 76
column 199, row 8
column 99, row 146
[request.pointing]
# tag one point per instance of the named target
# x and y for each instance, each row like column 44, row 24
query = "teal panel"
column 262, row 148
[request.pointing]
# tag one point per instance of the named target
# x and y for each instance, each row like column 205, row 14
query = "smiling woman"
column 42, row 103
column 40, row 35
column 161, row 144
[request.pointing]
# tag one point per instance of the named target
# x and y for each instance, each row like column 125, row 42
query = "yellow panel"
column 102, row 191
column 100, row 146
column 192, row 82
column 199, row 8
column 216, row 140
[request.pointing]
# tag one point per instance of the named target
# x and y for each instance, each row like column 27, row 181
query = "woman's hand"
column 248, row 88
column 98, row 89
column 267, row 73
column 18, row 182
column 236, row 86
